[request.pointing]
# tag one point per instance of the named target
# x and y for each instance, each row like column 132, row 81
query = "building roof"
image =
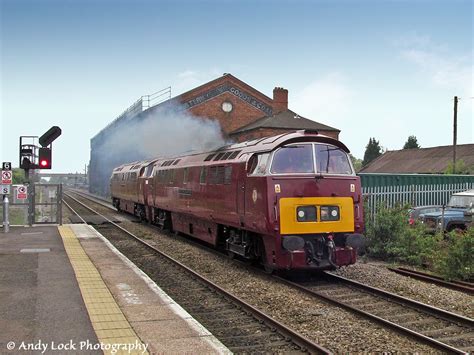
column 421, row 161
column 285, row 120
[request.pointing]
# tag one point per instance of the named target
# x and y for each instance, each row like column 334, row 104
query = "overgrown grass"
column 391, row 238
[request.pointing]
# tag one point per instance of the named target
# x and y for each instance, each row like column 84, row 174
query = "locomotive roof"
column 264, row 144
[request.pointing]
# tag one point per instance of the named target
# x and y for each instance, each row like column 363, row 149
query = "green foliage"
column 391, row 238
column 18, row 176
column 461, row 168
column 356, row 163
column 372, row 150
column 456, row 260
column 411, row 143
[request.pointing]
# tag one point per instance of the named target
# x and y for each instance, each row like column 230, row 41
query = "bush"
column 391, row 238
column 383, row 231
column 457, row 261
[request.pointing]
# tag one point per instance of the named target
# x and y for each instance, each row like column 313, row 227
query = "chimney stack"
column 280, row 100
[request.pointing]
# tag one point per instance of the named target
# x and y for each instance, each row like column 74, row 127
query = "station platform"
column 66, row 289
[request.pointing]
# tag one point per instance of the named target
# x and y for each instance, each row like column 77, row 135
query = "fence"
column 43, row 205
column 412, row 189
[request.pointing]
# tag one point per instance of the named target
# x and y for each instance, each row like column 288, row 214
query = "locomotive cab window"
column 257, row 164
column 332, row 160
column 296, row 158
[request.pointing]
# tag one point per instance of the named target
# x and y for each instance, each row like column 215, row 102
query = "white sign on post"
column 5, row 189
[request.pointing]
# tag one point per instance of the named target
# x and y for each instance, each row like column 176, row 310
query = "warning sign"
column 21, row 193
column 6, row 177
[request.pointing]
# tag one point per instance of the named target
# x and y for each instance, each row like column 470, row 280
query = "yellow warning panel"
column 110, row 324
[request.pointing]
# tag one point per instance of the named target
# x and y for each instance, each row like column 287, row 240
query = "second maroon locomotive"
column 290, row 201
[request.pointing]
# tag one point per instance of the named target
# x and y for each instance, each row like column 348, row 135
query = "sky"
column 386, row 69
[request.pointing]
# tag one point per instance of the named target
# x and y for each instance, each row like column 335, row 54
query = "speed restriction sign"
column 21, row 192
column 5, row 189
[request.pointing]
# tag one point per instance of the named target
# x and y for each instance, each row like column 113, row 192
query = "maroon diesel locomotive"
column 290, row 201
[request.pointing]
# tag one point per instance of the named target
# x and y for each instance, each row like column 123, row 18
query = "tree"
column 461, row 168
column 372, row 150
column 18, row 176
column 411, row 143
column 356, row 163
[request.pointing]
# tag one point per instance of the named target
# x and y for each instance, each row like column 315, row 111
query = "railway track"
column 444, row 330
column 238, row 325
column 441, row 329
column 467, row 287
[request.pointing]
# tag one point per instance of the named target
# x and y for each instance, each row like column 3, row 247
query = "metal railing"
column 143, row 103
column 410, row 189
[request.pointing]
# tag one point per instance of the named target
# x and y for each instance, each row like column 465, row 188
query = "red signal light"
column 44, row 158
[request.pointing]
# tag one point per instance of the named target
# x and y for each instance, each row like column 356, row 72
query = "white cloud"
column 326, row 100
column 445, row 70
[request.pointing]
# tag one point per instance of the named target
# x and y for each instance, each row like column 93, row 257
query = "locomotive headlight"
column 330, row 213
column 306, row 213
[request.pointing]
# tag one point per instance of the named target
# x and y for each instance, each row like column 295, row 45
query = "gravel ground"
column 375, row 274
column 336, row 329
column 333, row 328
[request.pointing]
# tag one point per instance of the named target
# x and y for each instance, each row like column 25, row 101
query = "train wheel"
column 231, row 254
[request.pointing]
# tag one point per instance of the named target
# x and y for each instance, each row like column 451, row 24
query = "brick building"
column 243, row 113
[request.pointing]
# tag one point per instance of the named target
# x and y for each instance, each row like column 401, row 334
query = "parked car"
column 417, row 213
column 456, row 215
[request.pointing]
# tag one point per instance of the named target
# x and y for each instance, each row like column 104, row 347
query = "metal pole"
column 6, row 222
column 31, row 204
column 60, row 204
column 455, row 132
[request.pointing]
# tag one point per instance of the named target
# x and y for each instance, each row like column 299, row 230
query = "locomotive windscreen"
column 304, row 158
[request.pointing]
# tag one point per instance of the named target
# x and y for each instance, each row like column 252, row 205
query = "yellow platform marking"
column 108, row 321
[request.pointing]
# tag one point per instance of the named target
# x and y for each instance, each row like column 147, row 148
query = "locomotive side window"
column 332, row 160
column 220, row 174
column 185, row 176
column 212, row 174
column 171, row 175
column 228, row 175
column 293, row 159
column 257, row 165
column 203, row 175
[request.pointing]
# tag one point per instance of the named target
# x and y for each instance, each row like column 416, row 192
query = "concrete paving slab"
column 41, row 304
column 157, row 319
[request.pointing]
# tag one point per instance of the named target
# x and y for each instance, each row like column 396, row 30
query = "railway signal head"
column 44, row 161
column 48, row 138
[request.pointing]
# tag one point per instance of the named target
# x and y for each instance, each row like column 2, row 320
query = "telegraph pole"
column 455, row 132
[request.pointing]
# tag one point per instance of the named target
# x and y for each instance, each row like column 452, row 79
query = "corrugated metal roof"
column 285, row 120
column 422, row 161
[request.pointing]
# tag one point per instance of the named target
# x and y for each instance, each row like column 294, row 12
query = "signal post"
column 35, row 157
